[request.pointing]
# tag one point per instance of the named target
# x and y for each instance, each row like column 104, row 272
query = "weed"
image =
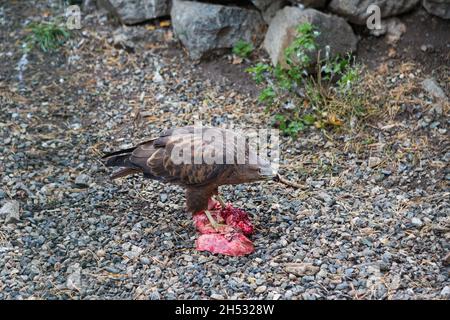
column 48, row 36
column 324, row 99
column 243, row 49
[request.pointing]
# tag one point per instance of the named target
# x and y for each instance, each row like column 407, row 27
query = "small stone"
column 261, row 289
column 301, row 269
column 387, row 257
column 416, row 222
column 326, row 198
column 145, row 260
column 154, row 295
column 11, row 211
column 74, row 279
column 433, row 89
column 82, row 180
column 163, row 197
column 445, row 292
column 446, row 260
column 374, row 161
column 133, row 253
column 100, row 253
column 216, row 296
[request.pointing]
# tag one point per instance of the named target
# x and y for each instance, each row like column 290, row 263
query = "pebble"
column 145, row 260
column 216, row 296
column 416, row 222
column 261, row 289
column 82, row 180
column 10, row 211
column 445, row 292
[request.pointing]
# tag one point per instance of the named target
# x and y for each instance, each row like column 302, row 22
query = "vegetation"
column 243, row 49
column 299, row 99
column 48, row 36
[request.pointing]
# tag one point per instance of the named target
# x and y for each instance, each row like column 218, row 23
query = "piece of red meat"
column 230, row 238
column 237, row 218
column 231, row 244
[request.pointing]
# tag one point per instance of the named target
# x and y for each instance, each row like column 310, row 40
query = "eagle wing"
column 158, row 160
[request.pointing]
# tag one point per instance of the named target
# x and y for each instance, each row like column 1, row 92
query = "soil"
column 422, row 29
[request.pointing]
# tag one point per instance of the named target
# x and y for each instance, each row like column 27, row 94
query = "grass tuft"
column 48, row 36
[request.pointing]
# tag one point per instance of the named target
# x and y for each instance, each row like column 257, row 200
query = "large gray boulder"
column 316, row 4
column 356, row 10
column 204, row 28
column 440, row 8
column 269, row 8
column 136, row 11
column 335, row 32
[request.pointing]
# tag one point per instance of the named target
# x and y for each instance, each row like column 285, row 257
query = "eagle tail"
column 121, row 159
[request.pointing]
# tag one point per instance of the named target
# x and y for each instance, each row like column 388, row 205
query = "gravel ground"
column 372, row 222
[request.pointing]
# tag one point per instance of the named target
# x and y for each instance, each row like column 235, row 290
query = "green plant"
column 48, row 36
column 296, row 54
column 259, row 72
column 321, row 99
column 242, row 49
column 267, row 95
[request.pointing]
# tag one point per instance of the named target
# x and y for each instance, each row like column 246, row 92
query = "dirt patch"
column 222, row 72
column 422, row 30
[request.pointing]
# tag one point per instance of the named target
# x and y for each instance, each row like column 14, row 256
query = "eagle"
column 200, row 159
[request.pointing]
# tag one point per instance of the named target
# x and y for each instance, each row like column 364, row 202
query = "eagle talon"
column 221, row 201
column 216, row 226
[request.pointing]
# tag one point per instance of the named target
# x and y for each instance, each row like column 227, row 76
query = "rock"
column 82, row 180
column 154, row 295
column 445, row 292
column 88, row 5
column 100, row 253
column 374, row 161
column 204, row 28
column 301, row 269
column 433, row 89
column 11, row 211
column 395, row 29
column 335, row 32
column 163, row 197
column 132, row 12
column 326, row 198
column 446, row 260
column 440, row 8
column 134, row 253
column 73, row 281
column 416, row 222
column 261, row 289
column 269, row 8
column 356, row 10
column 317, row 4
column 144, row 260
column 130, row 37
column 216, row 296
